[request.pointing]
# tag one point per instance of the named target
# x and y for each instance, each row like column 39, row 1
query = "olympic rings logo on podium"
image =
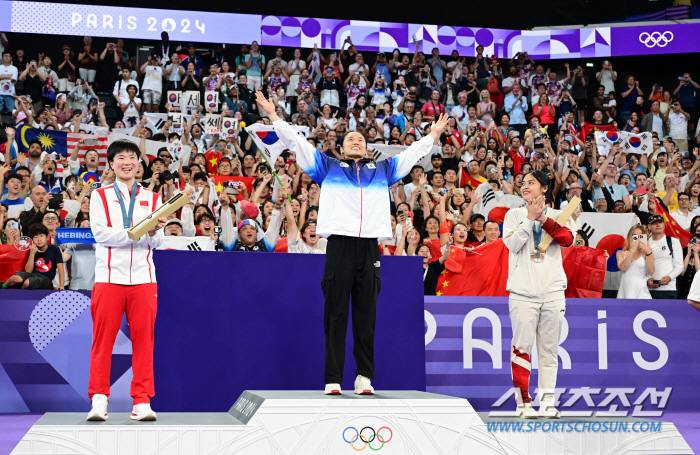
column 655, row 39
column 367, row 440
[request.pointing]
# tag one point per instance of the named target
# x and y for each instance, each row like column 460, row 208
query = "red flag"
column 585, row 272
column 220, row 179
column 589, row 128
column 11, row 260
column 486, row 273
column 466, row 179
column 672, row 228
column 213, row 158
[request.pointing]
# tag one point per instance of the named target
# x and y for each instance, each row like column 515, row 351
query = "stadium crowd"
column 506, row 119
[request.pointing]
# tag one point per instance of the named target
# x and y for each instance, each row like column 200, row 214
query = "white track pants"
column 535, row 321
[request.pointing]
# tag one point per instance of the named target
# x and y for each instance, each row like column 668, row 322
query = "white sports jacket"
column 119, row 259
column 355, row 197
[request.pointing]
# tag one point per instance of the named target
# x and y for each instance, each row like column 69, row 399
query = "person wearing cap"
column 173, row 228
column 248, row 235
column 668, row 260
column 436, row 162
column 354, row 214
column 476, row 229
column 382, row 67
column 191, row 57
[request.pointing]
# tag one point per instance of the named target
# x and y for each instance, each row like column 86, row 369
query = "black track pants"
column 352, row 269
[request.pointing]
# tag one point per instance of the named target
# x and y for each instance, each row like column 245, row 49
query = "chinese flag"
column 11, row 260
column 466, row 179
column 673, row 229
column 213, row 158
column 486, row 273
column 588, row 128
column 220, row 179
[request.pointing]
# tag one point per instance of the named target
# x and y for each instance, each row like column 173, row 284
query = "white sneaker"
column 143, row 411
column 99, row 408
column 548, row 410
column 332, row 389
column 363, row 386
column 526, row 411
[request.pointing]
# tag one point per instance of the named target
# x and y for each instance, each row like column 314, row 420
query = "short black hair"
column 119, row 146
column 14, row 175
column 494, row 222
column 437, row 173
column 257, row 168
column 23, row 168
column 159, row 137
column 35, row 141
column 36, row 229
column 186, row 170
column 173, row 135
column 200, row 176
column 416, row 166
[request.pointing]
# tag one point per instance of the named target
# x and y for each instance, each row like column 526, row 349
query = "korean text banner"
column 305, row 32
column 631, row 357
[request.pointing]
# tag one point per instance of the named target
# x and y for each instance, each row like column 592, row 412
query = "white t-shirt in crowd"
column 509, row 81
column 120, row 90
column 354, row 67
column 606, row 80
column 666, row 264
column 7, row 86
column 679, row 126
column 153, row 78
column 174, row 74
column 131, row 110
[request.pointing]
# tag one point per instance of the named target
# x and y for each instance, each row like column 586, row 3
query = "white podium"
column 309, row 423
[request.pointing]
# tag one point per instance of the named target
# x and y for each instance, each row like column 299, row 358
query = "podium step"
column 310, row 423
column 279, row 422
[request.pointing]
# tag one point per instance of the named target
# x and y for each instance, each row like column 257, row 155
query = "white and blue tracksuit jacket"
column 354, row 198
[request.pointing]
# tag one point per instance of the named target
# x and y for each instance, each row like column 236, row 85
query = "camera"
column 166, row 175
column 580, row 242
column 217, row 230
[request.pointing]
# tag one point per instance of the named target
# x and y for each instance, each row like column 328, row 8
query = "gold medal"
column 537, row 256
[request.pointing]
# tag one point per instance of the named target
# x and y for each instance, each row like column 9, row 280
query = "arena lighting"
column 589, row 65
column 304, row 32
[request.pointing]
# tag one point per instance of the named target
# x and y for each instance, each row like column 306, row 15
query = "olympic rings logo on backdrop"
column 367, row 440
column 656, row 39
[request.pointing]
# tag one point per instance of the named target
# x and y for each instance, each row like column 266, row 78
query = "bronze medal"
column 537, row 256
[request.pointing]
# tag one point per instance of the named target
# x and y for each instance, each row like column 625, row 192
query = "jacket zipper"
column 360, row 184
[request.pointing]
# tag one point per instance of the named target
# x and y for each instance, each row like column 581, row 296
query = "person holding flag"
column 354, row 212
column 537, row 282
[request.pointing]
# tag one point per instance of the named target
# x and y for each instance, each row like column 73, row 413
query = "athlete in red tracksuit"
column 125, row 280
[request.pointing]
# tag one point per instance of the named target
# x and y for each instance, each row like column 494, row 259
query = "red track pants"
column 109, row 301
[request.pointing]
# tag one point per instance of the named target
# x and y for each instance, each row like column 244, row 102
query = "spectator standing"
column 678, row 120
column 654, row 121
column 579, row 92
column 120, row 93
column 67, row 71
column 109, row 66
column 174, row 73
column 33, row 81
column 294, row 69
column 629, row 94
column 194, row 59
column 686, row 95
column 152, row 83
column 636, row 262
column 8, row 78
column 516, row 107
column 668, row 260
column 607, row 77
column 691, row 262
column 255, row 67
column 87, row 58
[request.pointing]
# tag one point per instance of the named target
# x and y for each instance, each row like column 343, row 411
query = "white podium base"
column 277, row 423
column 309, row 423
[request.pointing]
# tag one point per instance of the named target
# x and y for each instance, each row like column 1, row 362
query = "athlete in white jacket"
column 354, row 212
column 125, row 281
column 536, row 284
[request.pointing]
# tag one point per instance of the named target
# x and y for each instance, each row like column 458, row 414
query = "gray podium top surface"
column 124, row 418
column 348, row 395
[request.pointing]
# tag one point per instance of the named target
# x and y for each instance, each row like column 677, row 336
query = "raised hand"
column 266, row 105
column 436, row 128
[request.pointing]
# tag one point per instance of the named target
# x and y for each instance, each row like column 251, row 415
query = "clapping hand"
column 436, row 128
column 535, row 208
